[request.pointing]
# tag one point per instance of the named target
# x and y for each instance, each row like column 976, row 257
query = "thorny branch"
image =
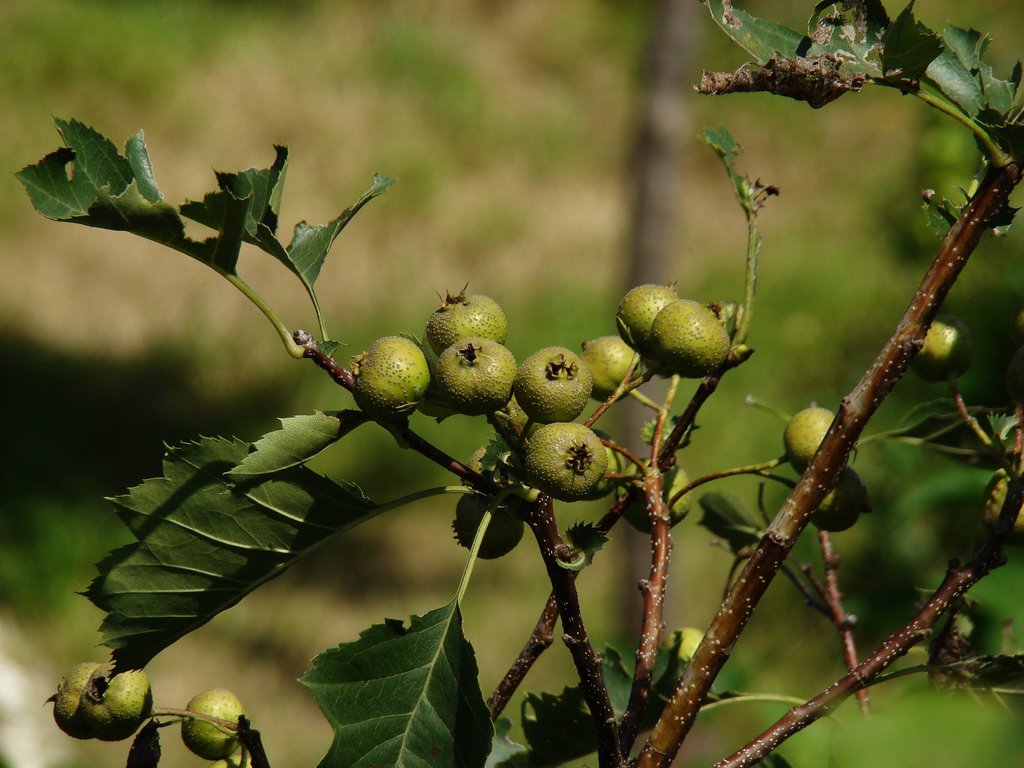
column 855, row 410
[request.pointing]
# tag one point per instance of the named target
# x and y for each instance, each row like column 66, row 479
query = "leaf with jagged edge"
column 203, row 542
column 89, row 182
column 299, row 439
column 762, row 39
column 403, row 696
column 506, row 753
column 586, row 540
column 908, row 48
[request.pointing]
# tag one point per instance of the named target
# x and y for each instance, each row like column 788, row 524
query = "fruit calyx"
column 579, row 457
column 561, row 368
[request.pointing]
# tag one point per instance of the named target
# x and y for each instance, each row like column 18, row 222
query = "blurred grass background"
column 508, row 128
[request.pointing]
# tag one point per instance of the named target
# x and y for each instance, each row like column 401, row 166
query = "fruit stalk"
column 959, row 579
column 856, row 409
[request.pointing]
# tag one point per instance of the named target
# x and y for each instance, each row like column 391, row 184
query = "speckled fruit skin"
column 688, row 639
column 565, row 460
column 608, row 358
column 475, row 375
column 675, row 480
column 553, row 384
column 123, row 706
column 462, row 316
column 391, row 377
column 688, row 340
column 992, row 503
column 67, row 702
column 504, row 531
column 844, row 504
column 804, row 433
column 204, row 738
column 948, row 350
column 637, row 311
column 1015, row 376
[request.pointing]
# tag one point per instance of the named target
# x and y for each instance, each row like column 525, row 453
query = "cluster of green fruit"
column 89, row 705
column 461, row 366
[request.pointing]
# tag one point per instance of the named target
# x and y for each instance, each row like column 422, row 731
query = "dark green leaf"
column 403, row 696
column 557, row 728
column 204, row 543
column 908, row 47
column 954, row 72
column 299, row 439
column 506, row 753
column 729, row 519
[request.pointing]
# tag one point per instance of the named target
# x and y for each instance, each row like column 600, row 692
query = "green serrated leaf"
column 730, row 519
column 586, row 541
column 617, row 678
column 204, row 543
column 299, row 439
column 330, row 348
column 908, row 47
column 762, row 39
column 954, row 72
column 403, row 696
column 506, row 753
column 557, row 728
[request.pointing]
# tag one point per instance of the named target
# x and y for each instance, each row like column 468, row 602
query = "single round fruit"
column 475, row 375
column 674, row 481
column 462, row 316
column 992, row 505
column 552, row 385
column 67, row 702
column 948, row 350
column 1015, row 376
column 565, row 460
column 804, row 433
column 844, row 504
column 637, row 311
column 688, row 339
column 687, row 638
column 503, row 533
column 391, row 377
column 115, row 708
column 608, row 358
column 204, row 738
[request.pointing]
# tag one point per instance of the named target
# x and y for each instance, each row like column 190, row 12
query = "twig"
column 855, row 410
column 540, row 640
column 843, row 621
column 959, row 578
column 541, row 519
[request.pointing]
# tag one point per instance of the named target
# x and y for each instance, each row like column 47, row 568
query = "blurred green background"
column 508, row 127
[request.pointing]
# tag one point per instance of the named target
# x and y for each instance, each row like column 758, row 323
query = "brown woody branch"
column 959, row 578
column 855, row 410
column 540, row 640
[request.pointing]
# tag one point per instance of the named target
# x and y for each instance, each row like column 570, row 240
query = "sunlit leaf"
column 204, row 542
column 299, row 439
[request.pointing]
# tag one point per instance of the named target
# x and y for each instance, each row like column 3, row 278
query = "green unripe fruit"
column 844, row 504
column 688, row 339
column 391, row 377
column 637, row 311
column 503, row 533
column 674, row 481
column 992, row 504
column 462, row 316
column 552, row 385
column 688, row 639
column 475, row 375
column 115, row 708
column 948, row 350
column 1015, row 376
column 204, row 738
column 608, row 358
column 804, row 433
column 616, row 463
column 565, row 460
column 67, row 702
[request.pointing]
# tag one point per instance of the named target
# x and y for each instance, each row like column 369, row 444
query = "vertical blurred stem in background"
column 654, row 176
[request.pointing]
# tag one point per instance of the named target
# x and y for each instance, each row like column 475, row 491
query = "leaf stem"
column 294, row 349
